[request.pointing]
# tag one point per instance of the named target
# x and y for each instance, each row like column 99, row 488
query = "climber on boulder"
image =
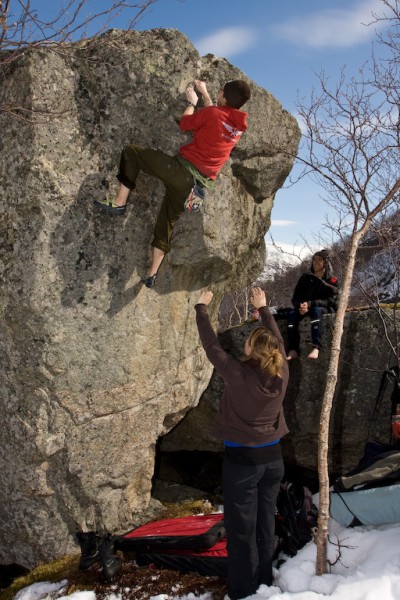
column 216, row 130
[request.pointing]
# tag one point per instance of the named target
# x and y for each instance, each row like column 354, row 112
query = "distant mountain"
column 377, row 272
column 282, row 269
column 279, row 260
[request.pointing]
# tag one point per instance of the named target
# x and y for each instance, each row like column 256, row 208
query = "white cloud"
column 228, row 41
column 282, row 223
column 331, row 28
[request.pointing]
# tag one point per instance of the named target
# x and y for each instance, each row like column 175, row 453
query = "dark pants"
column 178, row 182
column 250, row 492
column 294, row 318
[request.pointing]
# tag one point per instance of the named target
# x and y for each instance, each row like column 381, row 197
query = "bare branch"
column 23, row 26
column 24, row 29
column 339, row 545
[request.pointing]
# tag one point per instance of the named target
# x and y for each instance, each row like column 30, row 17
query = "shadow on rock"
column 89, row 245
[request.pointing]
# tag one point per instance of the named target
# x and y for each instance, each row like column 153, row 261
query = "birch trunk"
column 323, row 439
column 333, row 368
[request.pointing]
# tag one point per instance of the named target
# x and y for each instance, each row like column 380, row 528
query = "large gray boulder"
column 94, row 367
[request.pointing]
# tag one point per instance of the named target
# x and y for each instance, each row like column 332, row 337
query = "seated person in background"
column 315, row 295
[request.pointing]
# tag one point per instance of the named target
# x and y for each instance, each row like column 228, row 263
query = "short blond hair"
column 264, row 349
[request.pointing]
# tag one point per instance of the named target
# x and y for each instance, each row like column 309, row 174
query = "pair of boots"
column 95, row 549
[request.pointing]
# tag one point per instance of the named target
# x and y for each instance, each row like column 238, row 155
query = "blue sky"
column 280, row 45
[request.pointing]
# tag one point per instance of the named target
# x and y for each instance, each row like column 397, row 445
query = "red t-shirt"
column 216, row 130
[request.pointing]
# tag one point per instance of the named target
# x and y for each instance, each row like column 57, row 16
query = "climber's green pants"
column 177, row 179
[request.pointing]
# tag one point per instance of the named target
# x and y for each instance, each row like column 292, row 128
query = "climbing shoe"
column 149, row 281
column 110, row 206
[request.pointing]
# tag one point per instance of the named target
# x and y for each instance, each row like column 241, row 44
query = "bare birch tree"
column 351, row 147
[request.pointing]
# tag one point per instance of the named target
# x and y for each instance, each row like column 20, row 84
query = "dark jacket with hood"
column 315, row 290
column 250, row 410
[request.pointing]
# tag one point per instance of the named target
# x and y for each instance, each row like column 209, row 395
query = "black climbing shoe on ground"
column 110, row 206
column 149, row 281
column 111, row 564
column 88, row 542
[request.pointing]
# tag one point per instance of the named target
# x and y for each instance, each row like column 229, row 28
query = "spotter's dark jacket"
column 250, row 411
column 316, row 291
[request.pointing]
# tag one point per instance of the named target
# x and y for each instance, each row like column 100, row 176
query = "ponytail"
column 265, row 350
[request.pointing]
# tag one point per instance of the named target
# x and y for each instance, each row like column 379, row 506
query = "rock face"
column 365, row 355
column 93, row 366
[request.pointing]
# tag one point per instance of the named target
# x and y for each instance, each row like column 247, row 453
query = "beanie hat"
column 324, row 254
